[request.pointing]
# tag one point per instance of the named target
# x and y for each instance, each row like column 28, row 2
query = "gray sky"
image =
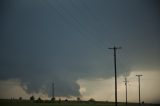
column 66, row 40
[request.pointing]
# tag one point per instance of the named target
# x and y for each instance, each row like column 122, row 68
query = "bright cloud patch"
column 103, row 89
column 15, row 89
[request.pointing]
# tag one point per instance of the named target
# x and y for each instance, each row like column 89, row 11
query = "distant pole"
column 52, row 90
column 139, row 89
column 126, row 89
column 115, row 67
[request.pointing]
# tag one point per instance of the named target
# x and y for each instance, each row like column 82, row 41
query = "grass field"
column 62, row 103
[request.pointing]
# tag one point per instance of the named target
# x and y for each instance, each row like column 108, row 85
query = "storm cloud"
column 61, row 41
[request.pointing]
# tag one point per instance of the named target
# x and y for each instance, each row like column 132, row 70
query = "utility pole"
column 53, row 90
column 125, row 81
column 139, row 89
column 115, row 67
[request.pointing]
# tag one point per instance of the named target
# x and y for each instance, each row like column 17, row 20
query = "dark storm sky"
column 63, row 40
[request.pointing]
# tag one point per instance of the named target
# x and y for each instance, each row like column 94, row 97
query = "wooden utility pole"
column 115, row 67
column 125, row 81
column 53, row 90
column 139, row 89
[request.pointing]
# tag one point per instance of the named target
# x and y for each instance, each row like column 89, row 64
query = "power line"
column 70, row 17
column 139, row 89
column 115, row 67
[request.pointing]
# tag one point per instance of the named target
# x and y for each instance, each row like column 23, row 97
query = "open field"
column 63, row 103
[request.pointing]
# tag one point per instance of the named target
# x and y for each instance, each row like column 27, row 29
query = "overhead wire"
column 80, row 28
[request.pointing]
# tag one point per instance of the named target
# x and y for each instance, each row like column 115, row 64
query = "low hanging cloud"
column 99, row 88
column 14, row 88
column 103, row 89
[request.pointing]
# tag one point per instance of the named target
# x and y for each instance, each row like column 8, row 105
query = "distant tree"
column 32, row 98
column 66, row 100
column 78, row 99
column 20, row 98
column 91, row 100
column 59, row 100
column 39, row 100
column 53, row 99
